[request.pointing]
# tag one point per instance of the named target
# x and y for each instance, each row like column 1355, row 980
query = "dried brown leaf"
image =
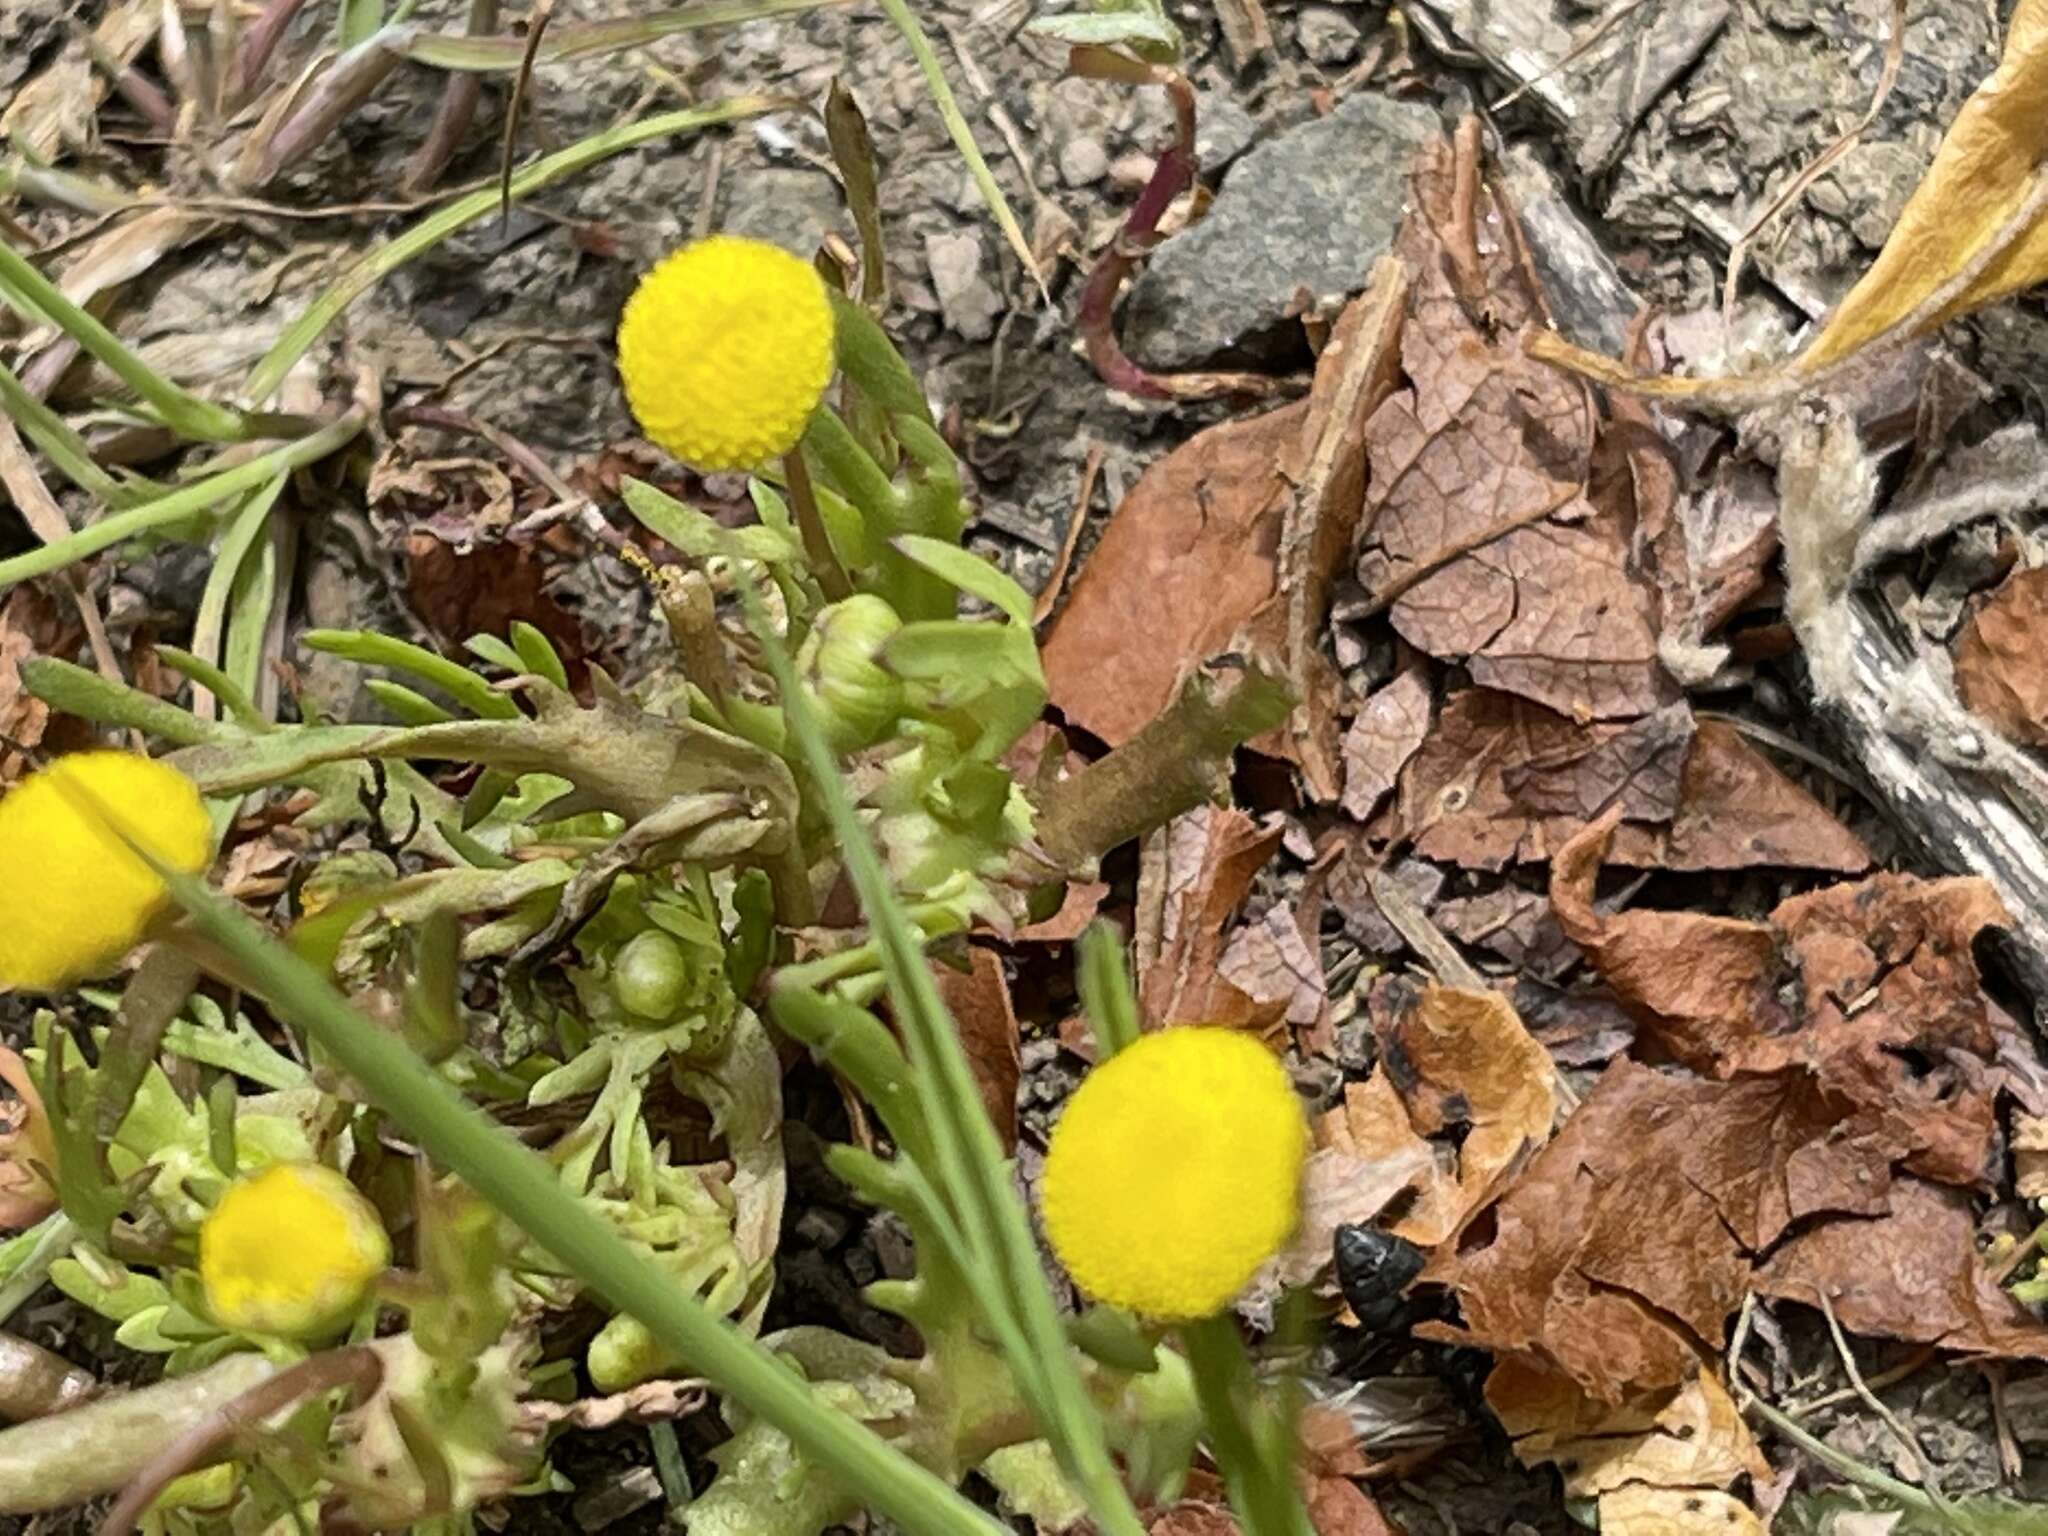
column 28, row 625
column 1911, row 1274
column 458, row 594
column 979, row 1000
column 1273, row 964
column 1212, row 857
column 1999, row 669
column 1500, row 780
column 1622, row 1249
column 1479, row 467
column 1187, row 559
column 1693, row 1438
column 1872, row 986
column 1387, row 730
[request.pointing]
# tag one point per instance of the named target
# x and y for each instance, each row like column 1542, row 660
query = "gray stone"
column 794, row 207
column 1083, row 161
column 968, row 300
column 1223, row 130
column 1327, row 35
column 1310, row 210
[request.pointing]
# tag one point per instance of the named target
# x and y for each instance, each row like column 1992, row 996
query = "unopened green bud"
column 856, row 697
column 651, row 975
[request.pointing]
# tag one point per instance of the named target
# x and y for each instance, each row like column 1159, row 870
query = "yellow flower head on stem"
column 725, row 349
column 74, row 897
column 289, row 1252
column 1175, row 1172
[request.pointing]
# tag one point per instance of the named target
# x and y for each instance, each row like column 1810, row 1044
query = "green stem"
column 519, row 1182
column 184, row 413
column 181, row 504
column 1260, row 1483
column 71, row 453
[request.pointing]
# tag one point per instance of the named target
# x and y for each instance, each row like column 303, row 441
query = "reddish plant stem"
column 259, row 42
column 459, row 96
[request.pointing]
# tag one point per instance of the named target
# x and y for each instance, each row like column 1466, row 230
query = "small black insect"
column 1374, row 1269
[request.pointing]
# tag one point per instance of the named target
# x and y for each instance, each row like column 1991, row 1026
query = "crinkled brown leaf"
column 979, row 1000
column 1388, row 728
column 1273, row 964
column 1461, row 1063
column 1622, row 1249
column 1479, row 467
column 1872, row 986
column 27, row 626
column 2029, row 1156
column 1500, row 780
column 482, row 591
column 1691, row 1438
column 1365, row 1154
column 1911, row 1274
column 1212, row 856
column 1999, row 658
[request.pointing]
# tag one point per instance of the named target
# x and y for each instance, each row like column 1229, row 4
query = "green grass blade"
column 71, row 453
column 209, row 624
column 503, row 55
column 898, row 11
column 185, row 414
column 180, row 504
column 438, row 226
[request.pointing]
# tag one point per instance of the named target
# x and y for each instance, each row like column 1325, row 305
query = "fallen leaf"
column 28, row 1150
column 1273, row 964
column 1461, row 1063
column 1192, row 1517
column 1500, row 780
column 1388, row 728
column 458, row 594
column 1512, row 923
column 1640, row 1511
column 1476, row 492
column 1939, row 261
column 1912, row 1273
column 1872, row 986
column 1998, row 658
column 28, row 627
column 1620, row 1252
column 1231, row 542
column 1359, row 1165
column 1339, row 1507
column 1212, row 856
column 979, row 1000
column 1691, row 1438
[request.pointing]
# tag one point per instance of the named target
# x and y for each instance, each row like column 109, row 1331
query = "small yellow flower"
column 725, row 349
column 290, row 1251
column 1175, row 1172
column 74, row 897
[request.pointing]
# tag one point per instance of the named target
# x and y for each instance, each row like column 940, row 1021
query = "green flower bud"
column 651, row 975
column 856, row 697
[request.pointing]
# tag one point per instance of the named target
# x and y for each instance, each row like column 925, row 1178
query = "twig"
column 447, row 419
column 536, row 26
column 1049, row 596
column 459, row 96
column 1887, row 1378
column 1875, row 1404
column 1894, row 56
column 1606, row 24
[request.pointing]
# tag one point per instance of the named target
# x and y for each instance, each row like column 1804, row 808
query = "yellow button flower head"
column 74, row 897
column 1175, row 1172
column 290, row 1251
column 725, row 349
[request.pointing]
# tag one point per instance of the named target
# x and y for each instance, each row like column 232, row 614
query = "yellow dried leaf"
column 1694, row 1440
column 1639, row 1511
column 1988, row 168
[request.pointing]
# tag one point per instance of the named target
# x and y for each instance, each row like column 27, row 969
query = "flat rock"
column 1309, row 211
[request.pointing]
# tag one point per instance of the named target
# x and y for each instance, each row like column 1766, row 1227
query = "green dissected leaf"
column 418, row 899
column 538, row 654
column 436, row 671
column 970, row 573
column 700, row 536
column 408, row 706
